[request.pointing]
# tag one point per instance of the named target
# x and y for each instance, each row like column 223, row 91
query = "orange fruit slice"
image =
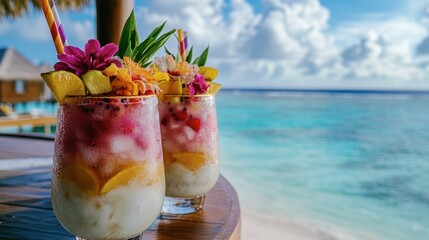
column 168, row 159
column 192, row 161
column 123, row 178
column 85, row 178
column 63, row 83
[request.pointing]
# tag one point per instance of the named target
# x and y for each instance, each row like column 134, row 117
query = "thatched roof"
column 15, row 66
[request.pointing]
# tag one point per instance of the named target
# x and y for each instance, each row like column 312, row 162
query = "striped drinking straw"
column 50, row 19
column 59, row 24
column 182, row 47
column 185, row 40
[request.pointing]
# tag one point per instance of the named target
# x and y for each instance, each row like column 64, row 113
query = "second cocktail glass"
column 191, row 151
column 108, row 175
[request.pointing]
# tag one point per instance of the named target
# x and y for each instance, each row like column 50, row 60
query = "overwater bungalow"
column 20, row 80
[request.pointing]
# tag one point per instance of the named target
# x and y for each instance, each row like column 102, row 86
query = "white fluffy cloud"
column 80, row 31
column 205, row 20
column 373, row 57
column 26, row 28
column 286, row 41
column 33, row 28
column 288, row 44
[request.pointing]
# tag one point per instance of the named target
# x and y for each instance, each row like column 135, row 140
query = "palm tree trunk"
column 111, row 17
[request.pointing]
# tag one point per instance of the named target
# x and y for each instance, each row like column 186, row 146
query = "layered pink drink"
column 108, row 173
column 108, row 176
column 190, row 144
column 189, row 131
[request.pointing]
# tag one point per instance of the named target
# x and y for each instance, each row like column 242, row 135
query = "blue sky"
column 343, row 11
column 272, row 43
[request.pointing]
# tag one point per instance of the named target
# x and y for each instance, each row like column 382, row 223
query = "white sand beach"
column 256, row 227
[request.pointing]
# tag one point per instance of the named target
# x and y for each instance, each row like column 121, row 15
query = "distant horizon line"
column 333, row 90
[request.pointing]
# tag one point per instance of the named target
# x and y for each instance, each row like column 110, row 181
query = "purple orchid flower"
column 198, row 86
column 93, row 58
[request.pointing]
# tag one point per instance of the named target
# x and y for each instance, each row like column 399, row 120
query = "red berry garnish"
column 148, row 92
column 181, row 115
column 165, row 121
column 195, row 124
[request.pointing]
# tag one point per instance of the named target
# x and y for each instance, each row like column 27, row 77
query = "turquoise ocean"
column 351, row 162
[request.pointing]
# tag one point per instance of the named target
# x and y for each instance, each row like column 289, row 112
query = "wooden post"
column 111, row 17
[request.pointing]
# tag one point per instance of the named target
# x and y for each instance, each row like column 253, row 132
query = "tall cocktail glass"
column 108, row 174
column 191, row 151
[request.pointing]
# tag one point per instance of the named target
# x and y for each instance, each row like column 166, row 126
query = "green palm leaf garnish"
column 141, row 52
column 201, row 60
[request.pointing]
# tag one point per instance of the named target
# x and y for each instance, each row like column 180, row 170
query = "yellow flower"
column 123, row 83
column 132, row 79
column 137, row 72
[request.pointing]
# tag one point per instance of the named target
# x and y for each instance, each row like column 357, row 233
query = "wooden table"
column 26, row 211
column 20, row 121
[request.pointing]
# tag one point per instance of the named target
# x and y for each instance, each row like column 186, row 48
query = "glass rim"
column 190, row 96
column 108, row 97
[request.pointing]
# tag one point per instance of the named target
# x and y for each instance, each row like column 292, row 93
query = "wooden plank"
column 18, row 222
column 178, row 230
column 27, row 120
column 18, row 147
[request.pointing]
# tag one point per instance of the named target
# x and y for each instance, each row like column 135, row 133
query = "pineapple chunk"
column 175, row 88
column 63, row 83
column 96, row 82
column 214, row 87
column 209, row 73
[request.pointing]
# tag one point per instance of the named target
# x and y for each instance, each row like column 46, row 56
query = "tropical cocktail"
column 189, row 133
column 108, row 173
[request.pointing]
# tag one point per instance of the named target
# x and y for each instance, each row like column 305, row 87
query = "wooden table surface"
column 26, row 211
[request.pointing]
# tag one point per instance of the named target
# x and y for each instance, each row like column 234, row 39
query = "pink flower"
column 198, row 86
column 93, row 58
